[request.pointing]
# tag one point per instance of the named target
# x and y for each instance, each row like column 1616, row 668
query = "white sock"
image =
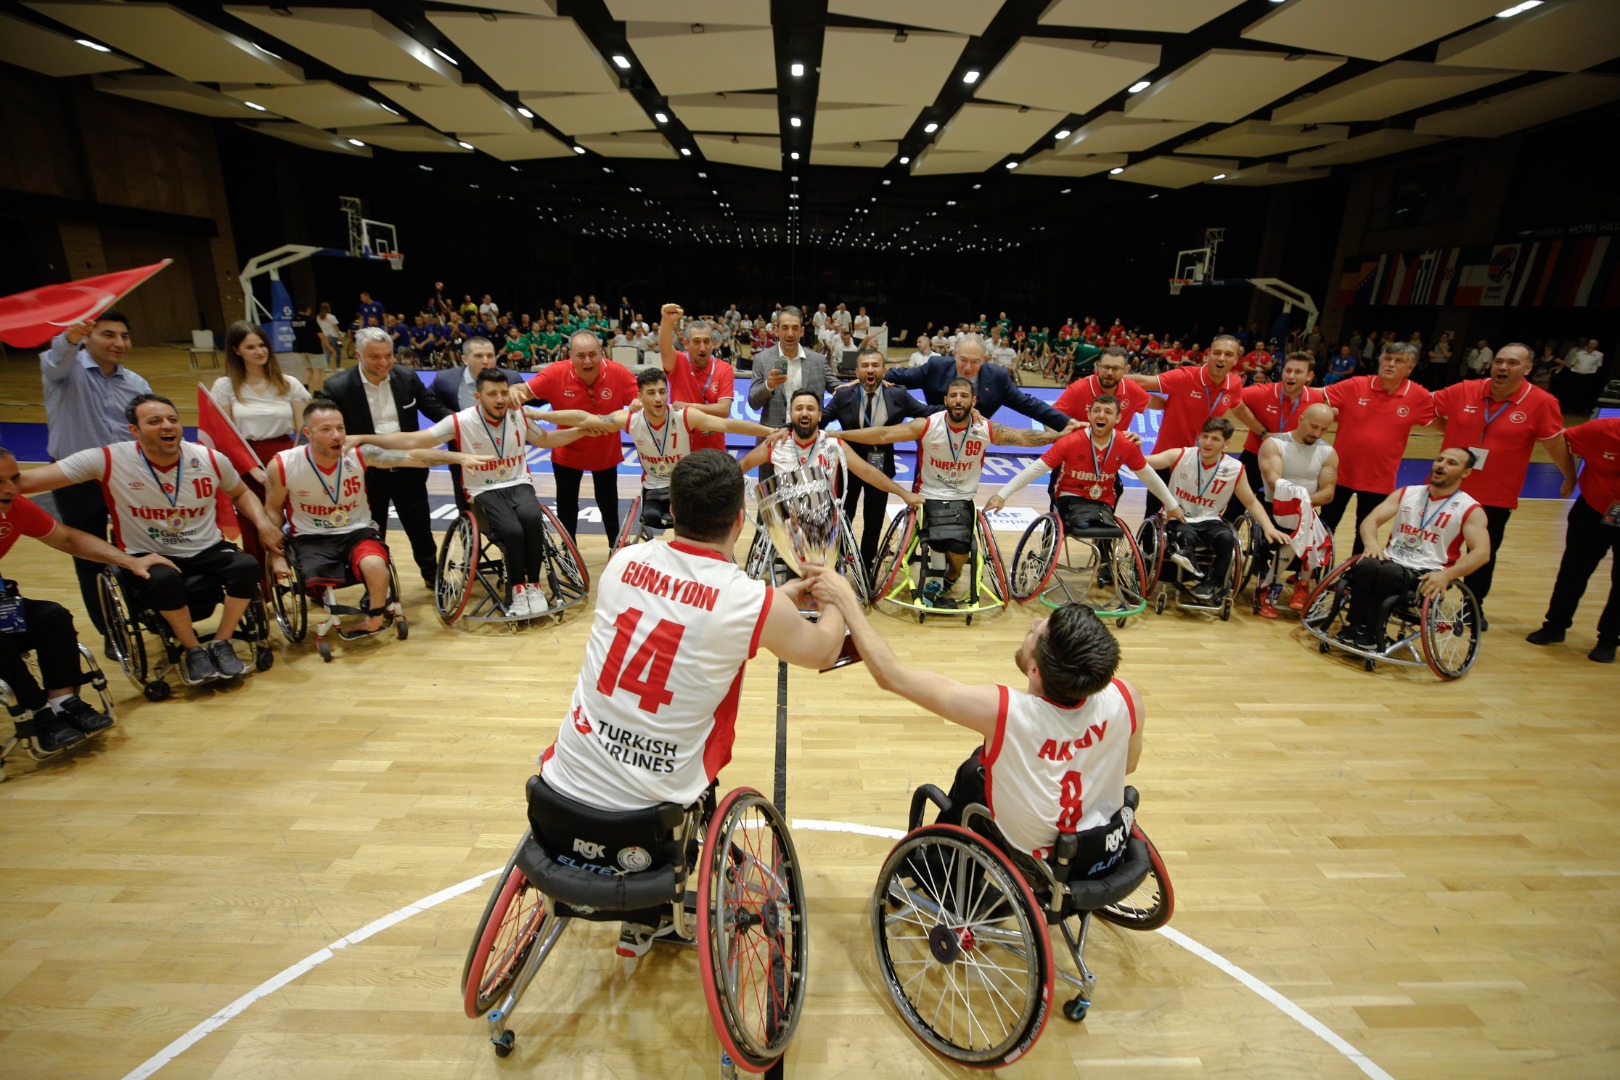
column 60, row 700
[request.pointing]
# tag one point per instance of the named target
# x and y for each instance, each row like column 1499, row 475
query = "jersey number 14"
column 647, row 674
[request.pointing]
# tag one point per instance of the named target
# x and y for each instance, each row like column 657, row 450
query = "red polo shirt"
column 1507, row 431
column 1373, row 429
column 1076, row 399
column 1597, row 443
column 26, row 519
column 1088, row 471
column 1273, row 409
column 559, row 386
column 686, row 385
column 1190, row 401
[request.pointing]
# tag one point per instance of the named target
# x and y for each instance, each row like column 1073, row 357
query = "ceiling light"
column 579, row 149
column 1064, row 134
column 970, row 77
column 1066, row 191
column 1219, row 176
column 1012, row 164
column 794, row 155
column 264, row 50
column 255, row 106
column 886, row 183
column 469, row 146
column 905, row 161
column 685, row 152
column 525, row 113
column 447, row 56
column 797, row 70
column 623, row 64
column 425, row 168
column 976, row 187
column 795, row 121
column 1138, row 87
column 356, row 142
column 930, row 129
column 1116, row 170
column 1518, row 8
column 950, row 202
column 390, row 108
column 92, row 45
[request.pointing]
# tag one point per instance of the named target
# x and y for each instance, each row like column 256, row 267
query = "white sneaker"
column 635, row 939
column 519, row 607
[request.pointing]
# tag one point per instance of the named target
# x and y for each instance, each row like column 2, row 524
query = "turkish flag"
column 215, row 430
column 30, row 319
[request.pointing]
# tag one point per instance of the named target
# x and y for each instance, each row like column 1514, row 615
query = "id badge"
column 874, row 458
column 1612, row 518
column 12, row 618
column 1480, row 454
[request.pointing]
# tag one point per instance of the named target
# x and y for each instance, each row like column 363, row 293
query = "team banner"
column 1573, row 271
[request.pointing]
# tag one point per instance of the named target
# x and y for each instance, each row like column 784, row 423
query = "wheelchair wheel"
column 511, row 925
column 458, row 564
column 630, row 527
column 1035, row 558
column 1248, row 553
column 752, row 935
column 1130, row 575
column 291, row 602
column 965, row 1001
column 892, row 552
column 760, row 556
column 992, row 557
column 1450, row 631
column 1150, row 544
column 124, row 632
column 1153, row 902
column 563, row 554
column 1330, row 600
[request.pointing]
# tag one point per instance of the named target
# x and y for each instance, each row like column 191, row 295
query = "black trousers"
column 512, row 516
column 226, row 563
column 606, row 483
column 1214, row 534
column 407, row 490
column 1333, row 512
column 872, row 519
column 1586, row 541
column 51, row 637
column 83, row 507
column 1375, row 584
column 1479, row 582
column 1251, row 468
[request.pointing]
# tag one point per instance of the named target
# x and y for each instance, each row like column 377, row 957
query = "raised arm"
column 877, row 478
column 670, row 315
column 796, row 639
column 1034, row 408
column 81, row 545
column 702, row 421
column 399, row 440
column 912, row 378
column 760, row 454
column 1030, row 473
column 880, row 436
column 1146, row 382
column 44, row 478
column 619, row 420
column 539, row 436
column 1002, row 435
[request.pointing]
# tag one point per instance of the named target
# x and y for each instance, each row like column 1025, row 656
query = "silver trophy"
column 798, row 512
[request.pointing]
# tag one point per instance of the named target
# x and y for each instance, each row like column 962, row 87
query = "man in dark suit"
column 378, row 398
column 868, row 403
column 993, row 386
column 783, row 369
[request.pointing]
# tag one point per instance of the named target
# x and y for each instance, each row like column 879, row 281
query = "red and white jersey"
column 1204, row 492
column 950, row 461
column 825, row 452
column 654, row 709
column 1050, row 769
column 321, row 503
column 1088, row 470
column 506, row 442
column 168, row 511
column 660, row 446
column 1428, row 533
column 1302, row 467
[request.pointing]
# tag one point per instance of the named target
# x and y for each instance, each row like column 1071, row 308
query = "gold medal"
column 337, row 518
column 1096, row 491
column 177, row 521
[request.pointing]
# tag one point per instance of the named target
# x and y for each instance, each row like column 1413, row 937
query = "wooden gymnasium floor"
column 1426, row 871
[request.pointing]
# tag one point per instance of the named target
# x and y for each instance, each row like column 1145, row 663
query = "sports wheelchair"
column 292, row 599
column 901, row 570
column 1441, row 632
column 23, row 724
column 128, row 624
column 1112, row 579
column 746, row 913
column 469, row 556
column 947, row 893
column 1152, row 540
column 1266, row 570
column 644, row 521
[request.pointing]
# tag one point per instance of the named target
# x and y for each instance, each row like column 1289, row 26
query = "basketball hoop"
column 1176, row 283
column 395, row 259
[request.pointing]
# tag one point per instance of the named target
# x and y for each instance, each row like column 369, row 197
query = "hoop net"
column 1176, row 283
column 395, row 260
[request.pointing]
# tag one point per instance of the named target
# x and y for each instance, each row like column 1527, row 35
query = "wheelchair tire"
column 1327, row 600
column 892, row 552
column 1035, row 558
column 849, row 561
column 1150, row 545
column 570, row 571
column 489, row 906
column 1130, row 572
column 630, row 527
column 124, row 631
column 1450, row 631
column 458, row 566
column 290, row 602
column 965, row 895
column 1153, row 902
column 1248, row 553
column 753, row 943
column 757, row 564
column 510, row 927
column 992, row 557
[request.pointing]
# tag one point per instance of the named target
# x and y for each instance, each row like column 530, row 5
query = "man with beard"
column 868, row 403
column 803, row 444
column 1302, row 458
column 1109, row 378
column 1278, row 408
column 697, row 378
column 1432, row 523
column 950, row 458
column 1501, row 419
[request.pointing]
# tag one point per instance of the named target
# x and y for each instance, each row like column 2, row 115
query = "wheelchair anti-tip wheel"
column 963, row 946
column 752, row 939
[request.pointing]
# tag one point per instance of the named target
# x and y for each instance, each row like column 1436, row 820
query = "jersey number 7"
column 647, row 675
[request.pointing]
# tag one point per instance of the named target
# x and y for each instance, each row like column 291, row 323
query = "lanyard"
column 1286, row 416
column 1214, row 398
column 499, row 446
column 703, row 391
column 955, row 449
column 1489, row 416
column 337, row 481
column 179, row 466
column 651, row 434
column 1198, row 463
column 1425, row 518
column 868, row 407
column 804, row 459
column 1096, row 466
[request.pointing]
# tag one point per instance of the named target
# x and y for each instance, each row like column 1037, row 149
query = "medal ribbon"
column 1198, row 463
column 337, row 482
column 499, row 446
column 1425, row 517
column 1096, row 465
column 1286, row 416
column 653, row 435
column 179, row 466
column 956, row 450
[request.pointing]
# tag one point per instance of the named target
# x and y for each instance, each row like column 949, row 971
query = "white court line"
column 315, row 959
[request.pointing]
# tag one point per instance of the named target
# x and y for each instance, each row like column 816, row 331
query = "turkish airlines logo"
column 582, row 723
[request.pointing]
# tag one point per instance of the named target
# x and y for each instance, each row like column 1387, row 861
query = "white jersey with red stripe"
column 1302, row 467
column 506, row 442
column 169, row 511
column 950, row 461
column 654, row 708
column 1204, row 492
column 660, row 446
column 321, row 503
column 823, row 452
column 1428, row 533
column 1051, row 769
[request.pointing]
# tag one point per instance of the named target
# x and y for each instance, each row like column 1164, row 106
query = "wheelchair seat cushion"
column 655, row 509
column 1088, row 519
column 1089, row 894
column 948, row 523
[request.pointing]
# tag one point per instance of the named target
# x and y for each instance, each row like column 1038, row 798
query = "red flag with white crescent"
column 32, row 318
column 215, row 430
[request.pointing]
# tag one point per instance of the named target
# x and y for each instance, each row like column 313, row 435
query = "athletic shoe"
column 636, row 938
column 81, row 716
column 1544, row 636
column 1105, row 574
column 1206, row 592
column 933, row 589
column 1181, row 559
column 535, row 597
column 1484, row 625
column 1268, row 610
column 1603, row 654
column 1301, row 596
column 225, row 659
column 197, row 666
column 51, row 733
column 518, row 606
column 1353, row 636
